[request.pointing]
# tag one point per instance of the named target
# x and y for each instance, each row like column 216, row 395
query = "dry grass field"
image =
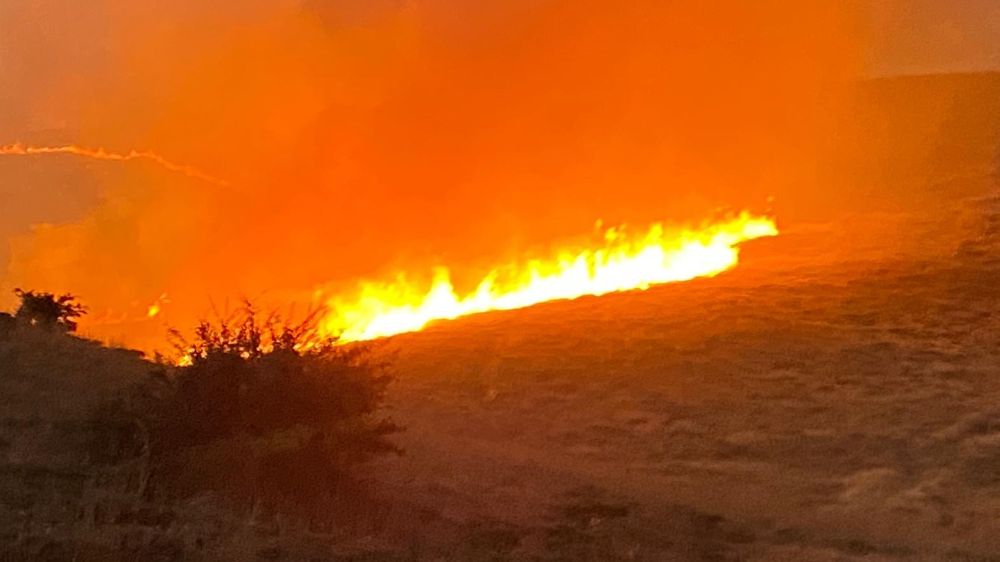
column 808, row 406
column 836, row 397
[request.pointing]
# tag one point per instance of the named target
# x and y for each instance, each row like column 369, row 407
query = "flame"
column 18, row 149
column 624, row 262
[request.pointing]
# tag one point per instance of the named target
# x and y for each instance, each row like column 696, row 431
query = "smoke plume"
column 361, row 136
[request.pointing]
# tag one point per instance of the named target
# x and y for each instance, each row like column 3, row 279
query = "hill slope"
column 791, row 409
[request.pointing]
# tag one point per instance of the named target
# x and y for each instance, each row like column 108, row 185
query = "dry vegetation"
column 105, row 452
column 834, row 399
column 805, row 407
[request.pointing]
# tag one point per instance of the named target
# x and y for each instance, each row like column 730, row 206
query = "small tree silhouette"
column 49, row 311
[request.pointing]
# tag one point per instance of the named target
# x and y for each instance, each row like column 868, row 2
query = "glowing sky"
column 364, row 133
column 928, row 36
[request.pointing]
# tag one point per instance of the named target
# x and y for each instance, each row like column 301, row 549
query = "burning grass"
column 620, row 261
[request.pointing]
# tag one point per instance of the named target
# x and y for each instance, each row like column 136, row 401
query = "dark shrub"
column 271, row 417
column 49, row 311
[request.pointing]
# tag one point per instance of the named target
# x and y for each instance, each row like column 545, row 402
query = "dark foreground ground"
column 837, row 397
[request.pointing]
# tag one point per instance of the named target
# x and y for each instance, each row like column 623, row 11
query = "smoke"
column 364, row 136
column 18, row 149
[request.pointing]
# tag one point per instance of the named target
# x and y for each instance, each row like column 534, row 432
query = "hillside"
column 804, row 407
column 808, row 411
column 50, row 386
column 903, row 143
column 835, row 397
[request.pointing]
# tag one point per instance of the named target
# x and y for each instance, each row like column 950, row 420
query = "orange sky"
column 364, row 137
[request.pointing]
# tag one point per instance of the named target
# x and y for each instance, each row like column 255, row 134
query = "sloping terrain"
column 835, row 397
column 50, row 386
column 791, row 409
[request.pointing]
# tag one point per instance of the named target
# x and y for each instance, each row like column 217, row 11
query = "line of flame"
column 622, row 263
column 18, row 149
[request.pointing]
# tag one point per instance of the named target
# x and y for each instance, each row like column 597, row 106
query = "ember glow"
column 18, row 149
column 624, row 262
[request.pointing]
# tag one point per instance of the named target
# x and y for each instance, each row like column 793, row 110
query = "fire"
column 156, row 308
column 623, row 262
column 18, row 149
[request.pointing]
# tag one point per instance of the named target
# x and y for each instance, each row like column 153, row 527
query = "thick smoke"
column 359, row 137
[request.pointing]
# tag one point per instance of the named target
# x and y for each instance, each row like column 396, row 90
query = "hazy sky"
column 926, row 36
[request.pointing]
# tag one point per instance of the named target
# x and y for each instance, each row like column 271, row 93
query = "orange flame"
column 18, row 149
column 623, row 263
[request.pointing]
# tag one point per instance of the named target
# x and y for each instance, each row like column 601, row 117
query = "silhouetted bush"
column 49, row 311
column 268, row 415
